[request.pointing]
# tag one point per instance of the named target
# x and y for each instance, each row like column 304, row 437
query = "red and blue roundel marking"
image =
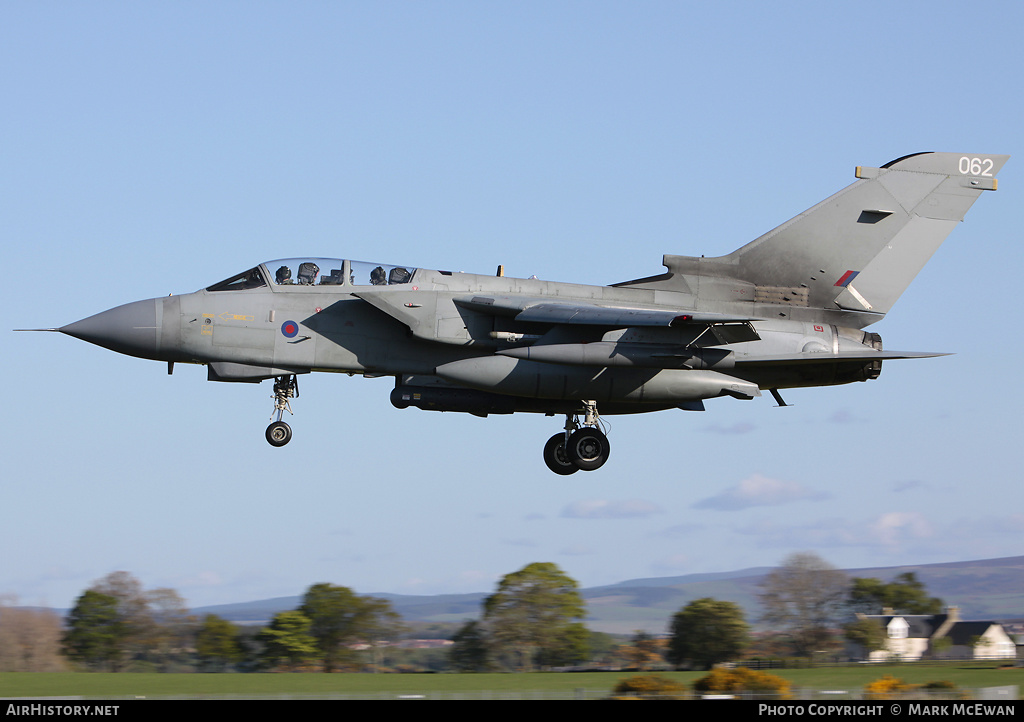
column 290, row 329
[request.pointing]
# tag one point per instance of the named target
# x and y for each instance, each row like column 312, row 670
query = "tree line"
column 533, row 620
column 116, row 625
column 809, row 608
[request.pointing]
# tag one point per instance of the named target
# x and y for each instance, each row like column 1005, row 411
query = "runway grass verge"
column 127, row 685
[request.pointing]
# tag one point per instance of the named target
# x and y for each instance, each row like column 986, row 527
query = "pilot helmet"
column 307, row 273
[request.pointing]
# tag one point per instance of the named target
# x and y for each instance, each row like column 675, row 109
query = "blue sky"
column 155, row 148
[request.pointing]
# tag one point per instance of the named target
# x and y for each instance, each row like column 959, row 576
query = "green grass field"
column 596, row 684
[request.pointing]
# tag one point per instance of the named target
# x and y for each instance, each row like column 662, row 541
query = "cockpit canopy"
column 316, row 272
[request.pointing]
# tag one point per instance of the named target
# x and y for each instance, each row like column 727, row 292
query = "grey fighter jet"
column 786, row 310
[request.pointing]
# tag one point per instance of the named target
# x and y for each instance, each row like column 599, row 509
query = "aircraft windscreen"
column 253, row 278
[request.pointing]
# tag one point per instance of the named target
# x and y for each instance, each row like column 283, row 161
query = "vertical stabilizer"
column 861, row 248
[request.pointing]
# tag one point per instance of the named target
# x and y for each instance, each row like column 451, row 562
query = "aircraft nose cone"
column 131, row 329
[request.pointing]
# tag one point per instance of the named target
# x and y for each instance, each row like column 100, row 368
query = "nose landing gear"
column 285, row 387
column 580, row 447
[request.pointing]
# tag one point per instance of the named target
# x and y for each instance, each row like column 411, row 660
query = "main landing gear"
column 285, row 387
column 580, row 447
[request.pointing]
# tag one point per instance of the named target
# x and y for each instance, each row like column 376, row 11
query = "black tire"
column 279, row 433
column 555, row 457
column 587, row 449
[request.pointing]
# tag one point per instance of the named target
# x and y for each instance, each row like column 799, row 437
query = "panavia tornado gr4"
column 786, row 310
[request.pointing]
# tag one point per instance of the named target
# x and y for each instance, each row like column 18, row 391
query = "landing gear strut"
column 580, row 447
column 285, row 387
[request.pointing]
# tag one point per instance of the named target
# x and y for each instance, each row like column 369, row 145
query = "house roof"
column 962, row 632
column 920, row 626
column 924, row 626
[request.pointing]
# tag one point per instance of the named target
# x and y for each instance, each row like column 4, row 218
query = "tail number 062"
column 976, row 166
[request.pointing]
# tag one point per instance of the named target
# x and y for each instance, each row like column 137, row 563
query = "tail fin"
column 861, row 248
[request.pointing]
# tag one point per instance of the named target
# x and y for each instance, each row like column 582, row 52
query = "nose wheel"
column 580, row 447
column 285, row 388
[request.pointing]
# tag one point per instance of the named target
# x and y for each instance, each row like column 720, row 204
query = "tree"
column 470, row 650
column 29, row 639
column 168, row 631
column 217, row 643
column 706, row 632
column 866, row 633
column 339, row 619
column 380, row 624
column 132, row 611
column 642, row 651
column 570, row 647
column 532, row 611
column 805, row 597
column 287, row 641
column 602, row 648
column 252, row 643
column 152, row 628
column 906, row 594
column 94, row 631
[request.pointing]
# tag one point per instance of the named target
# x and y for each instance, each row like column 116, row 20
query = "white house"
column 912, row 636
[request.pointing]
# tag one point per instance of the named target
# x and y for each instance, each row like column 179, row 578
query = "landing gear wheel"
column 587, row 449
column 555, row 457
column 279, row 433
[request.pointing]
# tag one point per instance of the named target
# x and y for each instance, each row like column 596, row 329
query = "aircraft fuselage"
column 249, row 334
column 786, row 310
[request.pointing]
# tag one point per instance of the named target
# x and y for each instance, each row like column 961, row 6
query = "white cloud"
column 605, row 509
column 897, row 530
column 758, row 490
column 896, row 527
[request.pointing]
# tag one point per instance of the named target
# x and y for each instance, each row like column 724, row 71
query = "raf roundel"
column 290, row 329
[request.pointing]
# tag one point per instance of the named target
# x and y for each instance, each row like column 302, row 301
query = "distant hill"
column 983, row 589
